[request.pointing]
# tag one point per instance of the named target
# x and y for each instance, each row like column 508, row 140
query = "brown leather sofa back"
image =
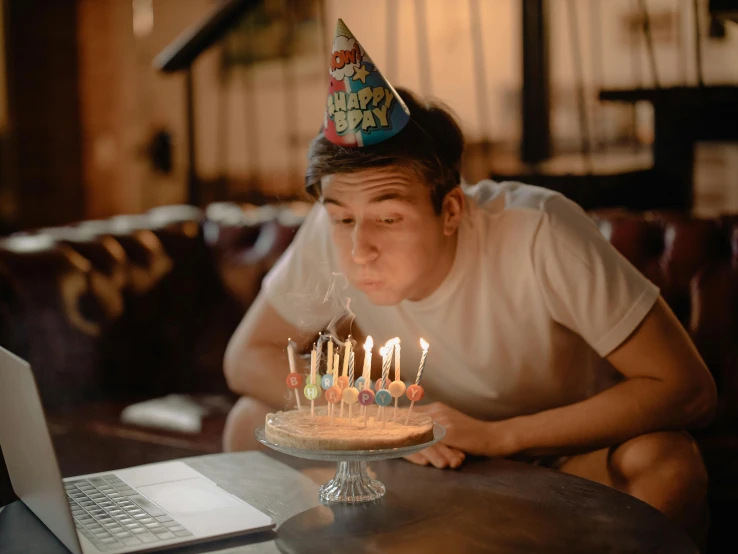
column 144, row 305
column 135, row 306
column 695, row 263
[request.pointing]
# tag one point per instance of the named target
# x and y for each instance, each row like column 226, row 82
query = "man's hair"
column 431, row 144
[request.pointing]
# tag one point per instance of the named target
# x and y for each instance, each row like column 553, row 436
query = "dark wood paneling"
column 536, row 140
column 43, row 103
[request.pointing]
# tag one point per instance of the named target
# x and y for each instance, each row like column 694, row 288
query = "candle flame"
column 383, row 351
column 369, row 344
column 391, row 343
column 424, row 344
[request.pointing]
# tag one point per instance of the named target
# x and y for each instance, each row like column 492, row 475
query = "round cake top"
column 300, row 429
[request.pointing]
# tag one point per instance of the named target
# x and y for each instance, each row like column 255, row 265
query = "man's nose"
column 363, row 248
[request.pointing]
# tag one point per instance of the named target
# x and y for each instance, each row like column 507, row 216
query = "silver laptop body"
column 138, row 509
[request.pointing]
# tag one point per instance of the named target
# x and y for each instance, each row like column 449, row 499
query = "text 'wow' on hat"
column 362, row 108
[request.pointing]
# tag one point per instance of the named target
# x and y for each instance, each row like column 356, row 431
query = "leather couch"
column 115, row 311
column 118, row 311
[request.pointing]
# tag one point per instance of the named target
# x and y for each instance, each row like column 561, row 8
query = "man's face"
column 388, row 237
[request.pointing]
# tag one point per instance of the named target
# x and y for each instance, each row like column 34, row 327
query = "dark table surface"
column 485, row 506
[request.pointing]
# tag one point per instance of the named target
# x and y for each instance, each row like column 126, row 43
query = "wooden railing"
column 181, row 53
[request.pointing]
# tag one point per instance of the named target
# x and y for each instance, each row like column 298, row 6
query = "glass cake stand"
column 352, row 483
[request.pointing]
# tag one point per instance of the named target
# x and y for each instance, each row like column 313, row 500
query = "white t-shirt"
column 535, row 298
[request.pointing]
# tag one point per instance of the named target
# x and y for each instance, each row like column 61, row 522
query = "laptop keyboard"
column 113, row 516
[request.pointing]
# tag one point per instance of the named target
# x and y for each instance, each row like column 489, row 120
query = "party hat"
column 362, row 107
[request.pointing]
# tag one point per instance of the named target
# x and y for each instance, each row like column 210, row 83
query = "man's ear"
column 453, row 210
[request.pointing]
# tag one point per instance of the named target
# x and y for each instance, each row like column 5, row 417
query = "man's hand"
column 438, row 455
column 473, row 436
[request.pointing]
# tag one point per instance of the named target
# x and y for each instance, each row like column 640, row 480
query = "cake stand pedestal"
column 351, row 483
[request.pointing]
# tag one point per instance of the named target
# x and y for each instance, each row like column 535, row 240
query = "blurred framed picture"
column 664, row 23
column 274, row 29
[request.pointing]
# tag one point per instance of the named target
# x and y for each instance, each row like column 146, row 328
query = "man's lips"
column 368, row 284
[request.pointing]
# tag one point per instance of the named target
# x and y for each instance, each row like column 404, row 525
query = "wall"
column 451, row 79
column 42, row 163
column 610, row 61
column 124, row 100
column 253, row 127
column 280, row 159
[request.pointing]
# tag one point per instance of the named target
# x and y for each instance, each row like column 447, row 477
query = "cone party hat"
column 362, row 108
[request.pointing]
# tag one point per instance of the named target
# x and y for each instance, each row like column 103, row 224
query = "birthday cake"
column 300, row 429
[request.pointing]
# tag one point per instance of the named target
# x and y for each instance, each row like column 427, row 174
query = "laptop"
column 137, row 509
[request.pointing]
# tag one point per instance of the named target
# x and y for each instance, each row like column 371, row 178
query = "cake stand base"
column 351, row 484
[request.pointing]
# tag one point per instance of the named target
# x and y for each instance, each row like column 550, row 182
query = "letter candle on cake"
column 334, row 394
column 383, row 396
column 397, row 387
column 343, row 380
column 415, row 392
column 386, row 353
column 311, row 391
column 366, row 395
column 294, row 379
column 350, row 394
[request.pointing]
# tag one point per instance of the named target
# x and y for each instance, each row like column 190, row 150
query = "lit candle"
column 367, row 371
column 293, row 366
column 425, row 346
column 397, row 359
column 346, row 355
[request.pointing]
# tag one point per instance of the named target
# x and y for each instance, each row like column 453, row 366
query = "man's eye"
column 343, row 221
column 390, row 221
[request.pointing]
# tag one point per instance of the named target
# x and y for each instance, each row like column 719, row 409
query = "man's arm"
column 256, row 361
column 667, row 387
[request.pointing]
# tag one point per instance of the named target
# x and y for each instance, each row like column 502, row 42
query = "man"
column 546, row 344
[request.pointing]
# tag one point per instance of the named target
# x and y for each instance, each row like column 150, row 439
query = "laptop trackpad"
column 189, row 496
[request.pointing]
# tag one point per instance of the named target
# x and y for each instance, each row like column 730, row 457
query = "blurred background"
column 151, row 173
column 91, row 125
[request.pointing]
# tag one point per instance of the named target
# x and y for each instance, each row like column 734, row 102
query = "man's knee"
column 245, row 416
column 671, row 458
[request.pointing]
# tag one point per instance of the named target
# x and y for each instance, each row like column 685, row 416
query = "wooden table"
column 485, row 506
